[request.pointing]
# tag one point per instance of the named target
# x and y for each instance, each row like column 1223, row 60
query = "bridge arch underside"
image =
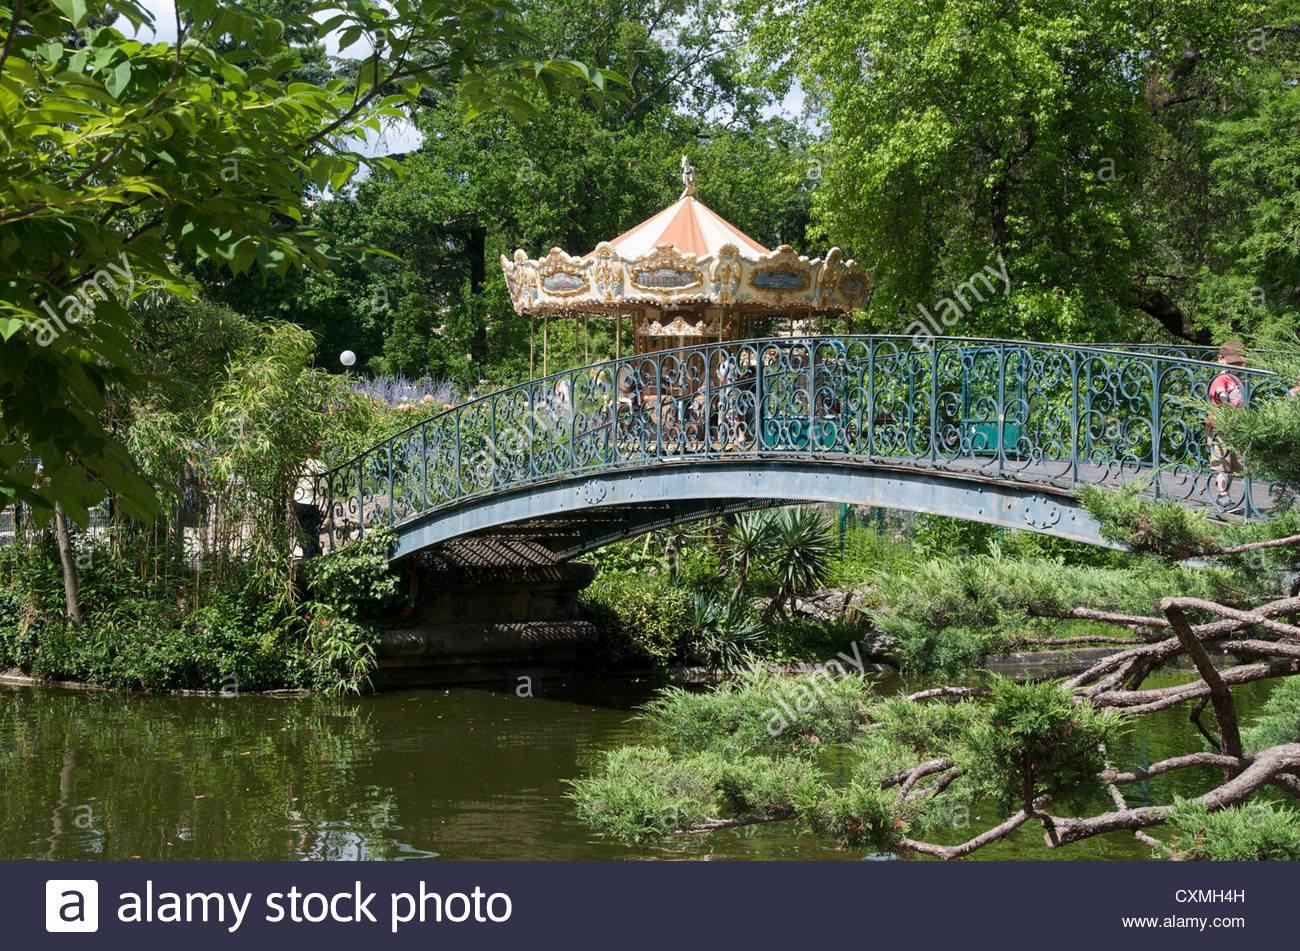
column 560, row 520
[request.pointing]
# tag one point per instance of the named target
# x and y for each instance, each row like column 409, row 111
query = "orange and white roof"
column 685, row 256
column 690, row 226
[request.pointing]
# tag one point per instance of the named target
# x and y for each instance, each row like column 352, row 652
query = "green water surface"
column 465, row 773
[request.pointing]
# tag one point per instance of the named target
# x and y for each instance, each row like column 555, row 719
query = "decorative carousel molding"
column 604, row 281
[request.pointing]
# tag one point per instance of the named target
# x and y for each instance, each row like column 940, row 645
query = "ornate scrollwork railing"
column 1000, row 410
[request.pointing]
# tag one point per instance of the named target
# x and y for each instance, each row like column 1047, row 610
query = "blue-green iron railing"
column 1002, row 410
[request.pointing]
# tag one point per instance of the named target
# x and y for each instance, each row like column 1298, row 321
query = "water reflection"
column 461, row 774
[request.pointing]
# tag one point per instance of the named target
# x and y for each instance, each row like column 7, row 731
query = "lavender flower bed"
column 407, row 393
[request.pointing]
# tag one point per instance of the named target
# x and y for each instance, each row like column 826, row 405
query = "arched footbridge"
column 1003, row 432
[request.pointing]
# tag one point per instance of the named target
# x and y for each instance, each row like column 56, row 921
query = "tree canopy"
column 1126, row 162
column 123, row 160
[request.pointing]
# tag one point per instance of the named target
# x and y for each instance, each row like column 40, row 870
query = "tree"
column 121, row 159
column 750, row 539
column 1120, row 164
column 751, row 752
column 581, row 170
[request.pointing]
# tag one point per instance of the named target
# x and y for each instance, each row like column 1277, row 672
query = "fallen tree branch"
column 1175, row 762
column 1225, row 712
column 1256, row 618
column 1150, row 656
column 1261, row 648
column 943, row 783
column 1121, row 803
column 959, row 692
column 1081, row 639
column 1255, row 546
column 966, row 848
column 1133, row 621
column 1266, row 766
column 711, row 824
column 908, row 777
column 1148, row 701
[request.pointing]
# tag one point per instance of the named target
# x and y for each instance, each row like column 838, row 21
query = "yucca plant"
column 752, row 537
column 722, row 636
column 801, row 551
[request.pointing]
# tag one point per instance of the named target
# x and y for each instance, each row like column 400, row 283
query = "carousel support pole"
column 586, row 341
column 546, row 324
column 618, row 336
column 532, row 345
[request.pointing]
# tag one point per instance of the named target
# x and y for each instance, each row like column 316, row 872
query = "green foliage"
column 802, row 544
column 646, row 792
column 153, row 630
column 801, row 639
column 1034, row 545
column 922, row 729
column 234, row 643
column 856, row 815
column 1267, row 432
column 642, row 620
column 125, row 161
column 750, row 539
column 1131, row 175
column 1036, row 742
column 935, row 535
column 946, row 614
column 869, row 550
column 767, row 786
column 718, row 636
column 643, row 792
column 341, row 651
column 1164, row 526
column 1279, row 721
column 356, row 579
column 1254, row 832
column 762, row 712
column 579, row 171
column 1251, row 271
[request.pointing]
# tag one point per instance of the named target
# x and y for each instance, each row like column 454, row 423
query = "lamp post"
column 348, row 359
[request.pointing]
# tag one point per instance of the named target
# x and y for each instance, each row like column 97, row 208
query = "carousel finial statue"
column 688, row 176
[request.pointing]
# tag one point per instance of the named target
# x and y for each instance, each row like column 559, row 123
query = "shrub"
column 356, row 579
column 762, row 785
column 947, row 614
column 762, row 713
column 859, row 814
column 642, row 792
column 1279, row 720
column 1165, row 526
column 802, row 639
column 1254, row 832
column 1035, row 742
column 642, row 620
column 720, row 637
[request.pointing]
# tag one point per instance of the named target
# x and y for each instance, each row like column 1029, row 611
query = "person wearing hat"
column 1226, row 389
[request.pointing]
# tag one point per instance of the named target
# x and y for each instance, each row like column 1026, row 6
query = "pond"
column 462, row 773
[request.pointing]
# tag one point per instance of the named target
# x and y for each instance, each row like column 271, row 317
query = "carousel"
column 683, row 277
